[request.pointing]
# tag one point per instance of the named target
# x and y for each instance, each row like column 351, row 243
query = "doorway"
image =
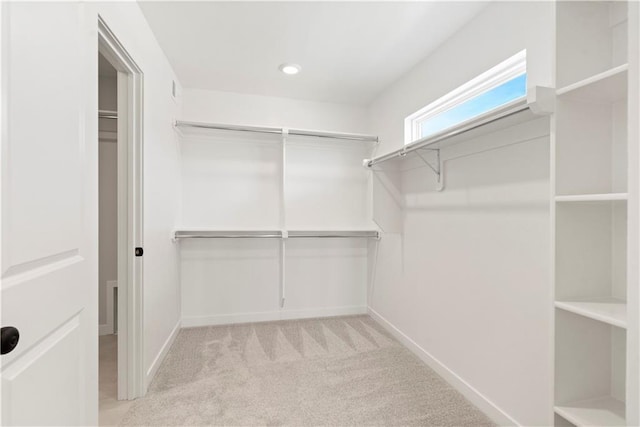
column 119, row 112
column 109, row 409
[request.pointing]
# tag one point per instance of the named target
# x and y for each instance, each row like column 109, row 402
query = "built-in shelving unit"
column 277, row 203
column 591, row 38
column 591, row 221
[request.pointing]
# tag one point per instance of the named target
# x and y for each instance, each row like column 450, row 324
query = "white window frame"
column 507, row 70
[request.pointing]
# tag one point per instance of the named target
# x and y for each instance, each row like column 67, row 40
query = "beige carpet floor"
column 342, row 371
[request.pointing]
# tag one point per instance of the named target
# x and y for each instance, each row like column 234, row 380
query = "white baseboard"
column 153, row 369
column 225, row 319
column 112, row 285
column 474, row 396
column 109, row 327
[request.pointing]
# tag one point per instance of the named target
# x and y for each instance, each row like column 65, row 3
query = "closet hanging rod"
column 334, row 234
column 106, row 114
column 274, row 130
column 434, row 141
column 231, row 234
column 251, row 234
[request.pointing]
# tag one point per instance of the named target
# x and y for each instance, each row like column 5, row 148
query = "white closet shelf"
column 202, row 126
column 273, row 234
column 608, row 86
column 601, row 411
column 410, row 155
column 608, row 310
column 538, row 102
column 605, row 197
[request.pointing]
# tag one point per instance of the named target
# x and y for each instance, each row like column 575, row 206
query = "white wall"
column 498, row 32
column 108, row 100
column 107, row 203
column 257, row 110
column 464, row 275
column 233, row 181
column 161, row 168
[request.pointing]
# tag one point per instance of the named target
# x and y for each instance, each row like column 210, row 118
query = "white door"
column 49, row 216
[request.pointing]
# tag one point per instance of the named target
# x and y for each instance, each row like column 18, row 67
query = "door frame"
column 131, row 376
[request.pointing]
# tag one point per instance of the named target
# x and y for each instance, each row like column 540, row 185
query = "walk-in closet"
column 320, row 213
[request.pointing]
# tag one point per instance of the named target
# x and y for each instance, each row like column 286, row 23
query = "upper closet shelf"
column 538, row 102
column 608, row 86
column 185, row 126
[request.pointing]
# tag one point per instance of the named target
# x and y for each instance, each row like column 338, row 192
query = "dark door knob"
column 10, row 338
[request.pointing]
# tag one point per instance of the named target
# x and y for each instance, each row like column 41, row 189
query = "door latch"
column 139, row 251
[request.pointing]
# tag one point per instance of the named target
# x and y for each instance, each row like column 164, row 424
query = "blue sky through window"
column 487, row 101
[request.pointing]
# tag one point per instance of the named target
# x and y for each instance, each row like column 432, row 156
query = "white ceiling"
column 349, row 51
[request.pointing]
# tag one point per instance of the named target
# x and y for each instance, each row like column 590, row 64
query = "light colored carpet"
column 330, row 372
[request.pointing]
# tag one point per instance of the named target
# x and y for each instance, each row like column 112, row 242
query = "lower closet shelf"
column 277, row 234
column 607, row 310
column 226, row 234
column 601, row 411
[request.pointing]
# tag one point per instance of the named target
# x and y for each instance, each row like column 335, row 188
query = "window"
column 499, row 86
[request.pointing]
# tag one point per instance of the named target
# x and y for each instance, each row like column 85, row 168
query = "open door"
column 49, row 218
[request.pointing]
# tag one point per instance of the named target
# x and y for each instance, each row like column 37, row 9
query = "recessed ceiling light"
column 290, row 69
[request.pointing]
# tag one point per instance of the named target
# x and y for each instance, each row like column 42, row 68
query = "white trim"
column 112, row 285
column 153, row 369
column 268, row 316
column 131, row 376
column 501, row 73
column 474, row 396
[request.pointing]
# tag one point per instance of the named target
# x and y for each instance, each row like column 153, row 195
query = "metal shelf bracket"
column 437, row 167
